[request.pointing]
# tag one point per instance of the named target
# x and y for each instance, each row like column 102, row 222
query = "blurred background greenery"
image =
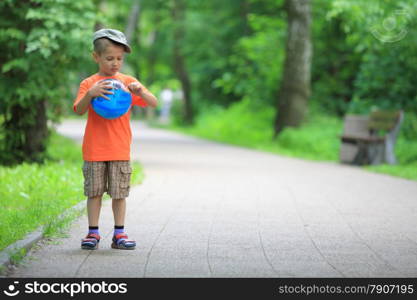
column 224, row 61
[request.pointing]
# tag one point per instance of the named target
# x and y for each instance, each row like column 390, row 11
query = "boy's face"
column 110, row 61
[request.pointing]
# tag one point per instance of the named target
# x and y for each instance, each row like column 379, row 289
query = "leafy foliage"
column 380, row 32
column 364, row 55
column 41, row 40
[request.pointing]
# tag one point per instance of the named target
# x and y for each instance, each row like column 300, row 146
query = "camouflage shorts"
column 112, row 177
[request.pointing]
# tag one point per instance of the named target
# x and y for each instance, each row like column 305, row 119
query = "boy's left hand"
column 135, row 88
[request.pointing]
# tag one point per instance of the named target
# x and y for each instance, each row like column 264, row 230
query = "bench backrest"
column 365, row 126
column 356, row 125
column 383, row 120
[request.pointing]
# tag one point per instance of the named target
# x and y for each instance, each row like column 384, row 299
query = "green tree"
column 335, row 63
column 179, row 60
column 295, row 85
column 382, row 37
column 381, row 34
column 41, row 43
column 254, row 66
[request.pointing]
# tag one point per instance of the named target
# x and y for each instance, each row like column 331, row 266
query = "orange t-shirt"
column 105, row 139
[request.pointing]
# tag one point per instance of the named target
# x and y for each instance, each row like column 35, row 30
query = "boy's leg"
column 93, row 210
column 119, row 185
column 95, row 184
column 90, row 242
column 119, row 211
column 120, row 239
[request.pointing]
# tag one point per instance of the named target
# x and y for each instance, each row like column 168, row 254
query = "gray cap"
column 114, row 35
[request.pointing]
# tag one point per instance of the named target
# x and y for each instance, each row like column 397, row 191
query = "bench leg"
column 390, row 141
column 389, row 152
column 362, row 156
column 376, row 153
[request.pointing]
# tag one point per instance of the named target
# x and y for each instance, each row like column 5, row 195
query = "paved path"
column 212, row 210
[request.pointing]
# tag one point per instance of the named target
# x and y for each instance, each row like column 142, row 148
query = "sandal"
column 120, row 241
column 90, row 242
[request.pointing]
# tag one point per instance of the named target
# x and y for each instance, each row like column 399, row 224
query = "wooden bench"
column 370, row 139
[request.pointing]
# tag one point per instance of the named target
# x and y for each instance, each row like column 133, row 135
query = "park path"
column 207, row 209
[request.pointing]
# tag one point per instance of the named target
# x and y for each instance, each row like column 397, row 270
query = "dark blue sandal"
column 121, row 241
column 90, row 242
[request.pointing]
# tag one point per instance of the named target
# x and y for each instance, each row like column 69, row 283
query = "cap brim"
column 127, row 48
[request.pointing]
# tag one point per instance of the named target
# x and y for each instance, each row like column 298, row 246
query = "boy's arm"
column 138, row 89
column 82, row 105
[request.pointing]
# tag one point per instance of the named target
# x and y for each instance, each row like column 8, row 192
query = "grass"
column 406, row 152
column 317, row 139
column 32, row 195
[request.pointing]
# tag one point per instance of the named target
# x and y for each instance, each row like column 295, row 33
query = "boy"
column 106, row 143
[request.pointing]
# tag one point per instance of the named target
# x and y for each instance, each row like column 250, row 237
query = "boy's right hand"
column 100, row 89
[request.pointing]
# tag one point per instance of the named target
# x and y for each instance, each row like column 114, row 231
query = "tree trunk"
column 244, row 15
column 153, row 55
column 26, row 141
column 292, row 102
column 132, row 36
column 178, row 11
column 132, row 21
column 100, row 6
column 36, row 135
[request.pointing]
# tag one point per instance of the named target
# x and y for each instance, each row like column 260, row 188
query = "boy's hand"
column 100, row 89
column 136, row 88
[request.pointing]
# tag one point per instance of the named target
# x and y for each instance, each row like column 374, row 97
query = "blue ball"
column 118, row 104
